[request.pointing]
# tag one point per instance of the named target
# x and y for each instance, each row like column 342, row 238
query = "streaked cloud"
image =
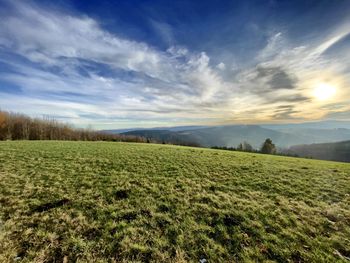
column 67, row 64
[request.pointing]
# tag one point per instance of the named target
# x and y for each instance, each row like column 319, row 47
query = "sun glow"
column 324, row 91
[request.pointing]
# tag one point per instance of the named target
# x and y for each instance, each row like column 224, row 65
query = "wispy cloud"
column 70, row 66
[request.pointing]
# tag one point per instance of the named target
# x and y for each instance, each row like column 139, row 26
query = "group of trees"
column 267, row 147
column 14, row 126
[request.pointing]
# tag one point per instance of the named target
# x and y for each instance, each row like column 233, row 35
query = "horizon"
column 238, row 124
column 118, row 65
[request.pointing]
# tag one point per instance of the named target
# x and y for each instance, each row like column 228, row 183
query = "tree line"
column 16, row 126
column 268, row 147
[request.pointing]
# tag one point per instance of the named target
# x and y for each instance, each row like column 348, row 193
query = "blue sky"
column 117, row 64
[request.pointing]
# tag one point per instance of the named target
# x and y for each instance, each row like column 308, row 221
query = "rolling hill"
column 123, row 202
column 339, row 151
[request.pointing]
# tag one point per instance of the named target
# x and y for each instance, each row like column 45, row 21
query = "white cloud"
column 221, row 66
column 142, row 81
column 274, row 45
column 164, row 31
column 56, row 39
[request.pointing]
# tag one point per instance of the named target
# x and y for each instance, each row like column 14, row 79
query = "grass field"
column 120, row 202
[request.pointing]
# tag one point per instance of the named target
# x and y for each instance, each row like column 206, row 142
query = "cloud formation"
column 69, row 66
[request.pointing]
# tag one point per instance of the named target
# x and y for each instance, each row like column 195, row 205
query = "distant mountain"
column 339, row 151
column 232, row 135
column 174, row 128
column 329, row 124
column 314, row 135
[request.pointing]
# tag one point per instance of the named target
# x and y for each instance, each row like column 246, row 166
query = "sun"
column 324, row 91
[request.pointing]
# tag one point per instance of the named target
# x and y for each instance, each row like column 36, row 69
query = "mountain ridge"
column 231, row 136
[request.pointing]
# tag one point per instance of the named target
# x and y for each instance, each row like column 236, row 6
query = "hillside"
column 339, row 151
column 124, row 202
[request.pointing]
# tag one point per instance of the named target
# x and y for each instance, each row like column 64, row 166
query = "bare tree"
column 16, row 126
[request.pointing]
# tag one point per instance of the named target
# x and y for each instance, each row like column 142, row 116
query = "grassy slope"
column 100, row 202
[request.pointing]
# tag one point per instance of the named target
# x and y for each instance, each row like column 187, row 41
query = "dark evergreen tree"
column 268, row 147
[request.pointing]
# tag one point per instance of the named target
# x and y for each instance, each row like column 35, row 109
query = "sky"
column 119, row 64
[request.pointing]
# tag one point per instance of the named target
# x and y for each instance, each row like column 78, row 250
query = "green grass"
column 120, row 202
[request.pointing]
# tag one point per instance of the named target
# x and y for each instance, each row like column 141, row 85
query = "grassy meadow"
column 125, row 202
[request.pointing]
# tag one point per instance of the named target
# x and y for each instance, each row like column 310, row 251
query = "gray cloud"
column 275, row 78
column 281, row 80
column 287, row 99
column 284, row 112
column 339, row 115
column 295, row 98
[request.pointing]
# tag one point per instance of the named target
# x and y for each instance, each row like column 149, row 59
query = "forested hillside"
column 339, row 151
column 14, row 126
